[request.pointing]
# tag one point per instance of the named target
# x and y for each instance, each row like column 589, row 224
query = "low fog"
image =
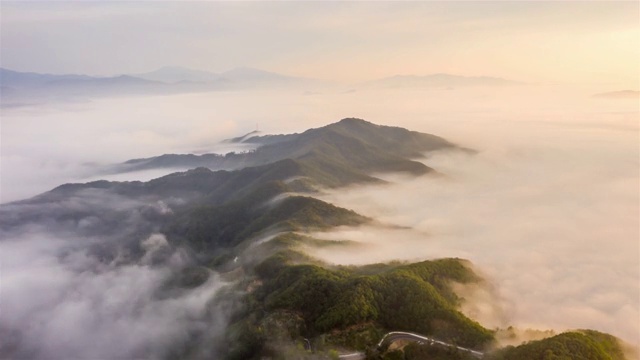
column 547, row 210
column 74, row 285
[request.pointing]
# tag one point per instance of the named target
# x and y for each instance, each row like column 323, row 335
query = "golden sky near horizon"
column 572, row 43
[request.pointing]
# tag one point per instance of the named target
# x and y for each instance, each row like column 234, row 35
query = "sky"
column 541, row 42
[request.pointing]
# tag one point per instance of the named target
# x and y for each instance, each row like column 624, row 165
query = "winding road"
column 353, row 356
column 399, row 335
column 393, row 336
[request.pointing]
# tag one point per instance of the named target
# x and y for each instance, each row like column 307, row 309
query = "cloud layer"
column 75, row 287
column 549, row 214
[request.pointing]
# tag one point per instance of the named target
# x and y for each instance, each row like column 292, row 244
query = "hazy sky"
column 567, row 42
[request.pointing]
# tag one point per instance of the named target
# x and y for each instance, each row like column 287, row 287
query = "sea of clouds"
column 547, row 209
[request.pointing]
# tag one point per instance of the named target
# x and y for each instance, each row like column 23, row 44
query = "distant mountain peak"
column 352, row 121
column 242, row 138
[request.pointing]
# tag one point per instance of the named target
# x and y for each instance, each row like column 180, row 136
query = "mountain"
column 243, row 138
column 623, row 94
column 216, row 211
column 108, row 86
column 18, row 87
column 438, row 81
column 21, row 80
column 241, row 77
column 34, row 86
column 351, row 307
column 345, row 152
column 26, row 80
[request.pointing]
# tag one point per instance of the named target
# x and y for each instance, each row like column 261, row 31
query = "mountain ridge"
column 351, row 142
column 18, row 86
